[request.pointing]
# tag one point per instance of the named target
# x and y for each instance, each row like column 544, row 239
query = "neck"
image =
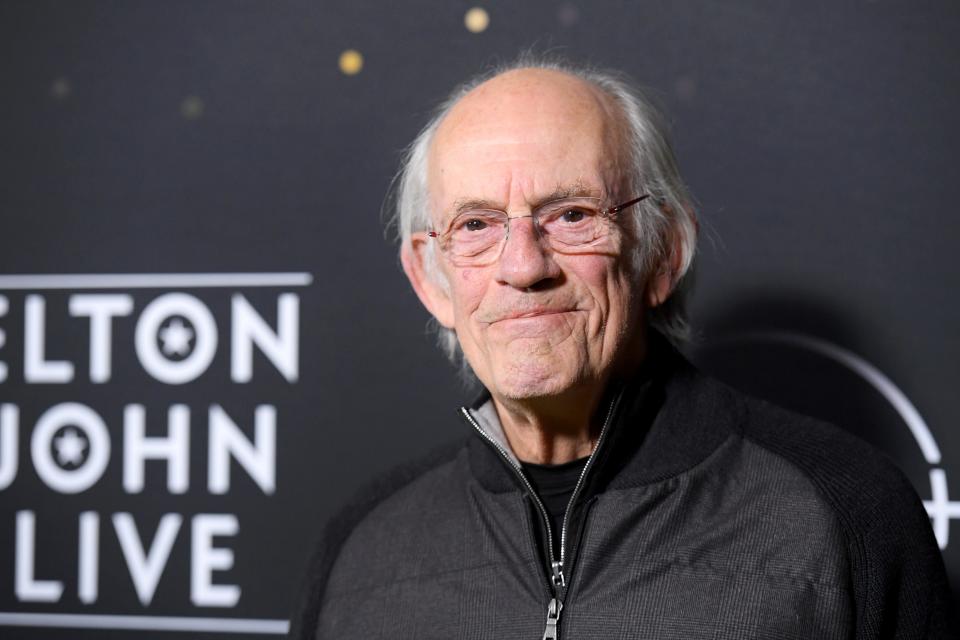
column 552, row 431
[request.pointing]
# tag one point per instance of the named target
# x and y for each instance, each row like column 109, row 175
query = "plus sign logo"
column 940, row 507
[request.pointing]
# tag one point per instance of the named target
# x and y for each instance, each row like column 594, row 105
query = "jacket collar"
column 668, row 418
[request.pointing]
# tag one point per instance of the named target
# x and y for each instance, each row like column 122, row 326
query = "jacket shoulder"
column 340, row 526
column 854, row 477
column 898, row 577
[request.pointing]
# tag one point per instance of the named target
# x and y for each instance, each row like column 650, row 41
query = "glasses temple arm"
column 621, row 207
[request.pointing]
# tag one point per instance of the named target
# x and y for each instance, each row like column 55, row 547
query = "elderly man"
column 605, row 488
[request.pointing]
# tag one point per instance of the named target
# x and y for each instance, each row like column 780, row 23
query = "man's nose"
column 525, row 260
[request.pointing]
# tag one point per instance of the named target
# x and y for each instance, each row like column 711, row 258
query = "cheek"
column 468, row 287
column 627, row 298
column 614, row 292
column 602, row 278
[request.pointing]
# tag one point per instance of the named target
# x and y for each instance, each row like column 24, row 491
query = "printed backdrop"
column 206, row 342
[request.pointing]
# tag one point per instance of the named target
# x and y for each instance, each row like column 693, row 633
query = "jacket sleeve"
column 899, row 580
column 897, row 575
column 305, row 620
column 306, row 615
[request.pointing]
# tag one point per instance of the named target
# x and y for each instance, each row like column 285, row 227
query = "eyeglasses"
column 570, row 225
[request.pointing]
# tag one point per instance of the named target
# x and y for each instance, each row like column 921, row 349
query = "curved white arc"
column 914, row 421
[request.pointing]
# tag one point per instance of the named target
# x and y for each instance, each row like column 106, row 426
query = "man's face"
column 536, row 322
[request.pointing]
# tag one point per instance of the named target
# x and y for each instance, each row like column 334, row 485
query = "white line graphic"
column 145, row 623
column 876, row 378
column 153, row 280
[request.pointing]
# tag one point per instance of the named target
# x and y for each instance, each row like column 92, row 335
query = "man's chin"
column 531, row 381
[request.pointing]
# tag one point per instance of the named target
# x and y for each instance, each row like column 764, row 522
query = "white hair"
column 665, row 223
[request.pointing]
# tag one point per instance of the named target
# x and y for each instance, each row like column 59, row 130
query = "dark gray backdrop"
column 221, row 137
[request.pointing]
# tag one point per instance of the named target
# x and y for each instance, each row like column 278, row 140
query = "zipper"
column 551, row 569
column 579, row 485
column 557, row 580
column 553, row 618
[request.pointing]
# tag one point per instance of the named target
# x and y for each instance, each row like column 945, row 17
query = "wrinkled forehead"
column 522, row 137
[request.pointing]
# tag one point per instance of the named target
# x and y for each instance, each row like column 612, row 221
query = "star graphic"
column 70, row 447
column 176, row 337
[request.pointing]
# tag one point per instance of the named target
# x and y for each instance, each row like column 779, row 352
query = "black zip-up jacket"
column 703, row 513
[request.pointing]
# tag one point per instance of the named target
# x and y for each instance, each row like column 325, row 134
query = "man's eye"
column 572, row 216
column 475, row 225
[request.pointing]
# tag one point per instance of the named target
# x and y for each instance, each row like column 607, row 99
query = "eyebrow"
column 576, row 190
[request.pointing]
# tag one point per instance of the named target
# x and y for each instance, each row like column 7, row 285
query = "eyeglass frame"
column 607, row 213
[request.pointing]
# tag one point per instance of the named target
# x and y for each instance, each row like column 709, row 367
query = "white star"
column 176, row 338
column 70, row 447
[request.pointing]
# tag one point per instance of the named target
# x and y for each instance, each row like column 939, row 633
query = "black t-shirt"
column 554, row 483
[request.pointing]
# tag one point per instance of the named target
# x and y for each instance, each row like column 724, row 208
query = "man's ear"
column 414, row 257
column 664, row 279
column 661, row 283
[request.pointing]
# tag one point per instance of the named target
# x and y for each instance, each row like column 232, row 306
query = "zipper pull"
column 558, row 580
column 553, row 618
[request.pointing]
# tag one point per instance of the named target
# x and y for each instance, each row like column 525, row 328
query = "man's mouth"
column 529, row 313
column 532, row 313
